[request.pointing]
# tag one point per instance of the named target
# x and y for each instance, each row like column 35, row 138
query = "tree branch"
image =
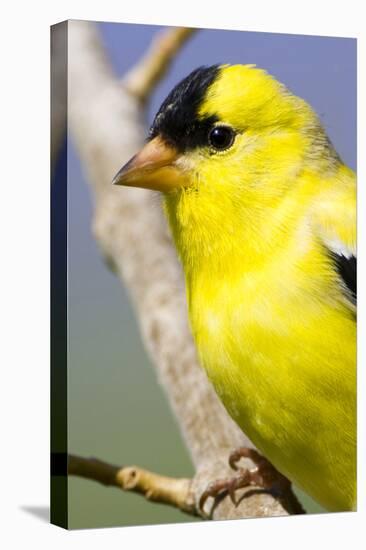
column 154, row 487
column 142, row 79
column 106, row 123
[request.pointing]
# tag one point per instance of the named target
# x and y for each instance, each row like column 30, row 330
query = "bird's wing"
column 334, row 218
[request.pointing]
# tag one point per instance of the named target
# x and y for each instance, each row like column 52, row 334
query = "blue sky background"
column 117, row 411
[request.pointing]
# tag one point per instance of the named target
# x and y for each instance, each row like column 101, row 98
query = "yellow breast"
column 282, row 359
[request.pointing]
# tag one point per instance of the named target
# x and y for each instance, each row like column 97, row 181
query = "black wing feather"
column 347, row 269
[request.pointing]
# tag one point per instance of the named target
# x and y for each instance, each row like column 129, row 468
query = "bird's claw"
column 212, row 490
column 263, row 475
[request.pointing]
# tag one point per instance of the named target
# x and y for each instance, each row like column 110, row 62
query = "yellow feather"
column 273, row 328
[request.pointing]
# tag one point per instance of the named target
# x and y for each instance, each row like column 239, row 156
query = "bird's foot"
column 263, row 475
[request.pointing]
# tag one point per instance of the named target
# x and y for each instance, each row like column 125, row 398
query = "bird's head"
column 227, row 141
column 230, row 118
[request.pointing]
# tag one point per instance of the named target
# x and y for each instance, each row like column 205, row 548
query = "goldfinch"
column 263, row 215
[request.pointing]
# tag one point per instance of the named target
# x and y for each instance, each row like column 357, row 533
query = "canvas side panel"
column 59, row 515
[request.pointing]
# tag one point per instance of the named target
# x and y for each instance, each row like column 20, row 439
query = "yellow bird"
column 263, row 214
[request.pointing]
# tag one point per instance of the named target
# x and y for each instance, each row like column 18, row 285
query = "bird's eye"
column 221, row 137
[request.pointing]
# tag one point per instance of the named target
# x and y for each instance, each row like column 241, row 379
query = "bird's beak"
column 154, row 167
